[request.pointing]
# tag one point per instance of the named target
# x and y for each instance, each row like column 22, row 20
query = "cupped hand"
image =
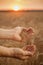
column 25, row 52
column 30, row 48
column 18, row 30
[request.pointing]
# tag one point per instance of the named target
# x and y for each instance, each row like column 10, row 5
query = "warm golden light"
column 16, row 8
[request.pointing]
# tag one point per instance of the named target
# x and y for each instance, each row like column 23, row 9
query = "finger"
column 27, row 53
column 24, row 57
column 24, row 28
column 35, row 49
column 27, row 47
column 30, row 30
column 21, row 29
column 31, row 49
column 18, row 38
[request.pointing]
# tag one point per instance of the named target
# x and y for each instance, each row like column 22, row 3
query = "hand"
column 14, row 52
column 30, row 31
column 24, row 53
column 17, row 31
column 21, row 54
column 30, row 48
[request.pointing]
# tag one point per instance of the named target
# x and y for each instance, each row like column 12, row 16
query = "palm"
column 30, row 48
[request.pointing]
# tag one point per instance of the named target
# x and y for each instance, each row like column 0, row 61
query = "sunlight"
column 16, row 8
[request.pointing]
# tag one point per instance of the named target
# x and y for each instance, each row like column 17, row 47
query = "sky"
column 23, row 4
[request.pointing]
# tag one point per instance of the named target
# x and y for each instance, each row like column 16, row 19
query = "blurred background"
column 25, row 13
column 34, row 19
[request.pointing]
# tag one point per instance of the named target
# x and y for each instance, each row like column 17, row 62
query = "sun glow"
column 16, row 8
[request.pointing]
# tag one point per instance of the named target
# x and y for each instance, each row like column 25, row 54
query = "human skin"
column 14, row 34
column 19, row 53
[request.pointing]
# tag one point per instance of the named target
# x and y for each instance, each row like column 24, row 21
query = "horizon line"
column 20, row 10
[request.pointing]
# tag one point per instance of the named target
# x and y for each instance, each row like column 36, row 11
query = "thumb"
column 27, row 53
column 18, row 37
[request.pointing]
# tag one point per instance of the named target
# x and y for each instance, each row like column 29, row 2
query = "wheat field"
column 25, row 19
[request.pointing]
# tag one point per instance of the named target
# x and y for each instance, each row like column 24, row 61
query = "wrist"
column 16, row 52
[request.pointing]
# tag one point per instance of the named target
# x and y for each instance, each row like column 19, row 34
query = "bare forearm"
column 7, row 34
column 10, row 52
column 4, row 51
column 7, row 52
column 14, row 52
